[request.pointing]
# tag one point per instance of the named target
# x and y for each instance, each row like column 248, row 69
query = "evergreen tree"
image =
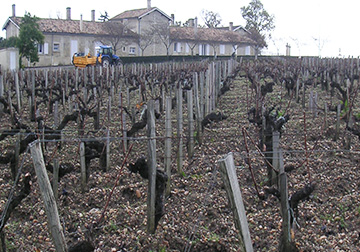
column 29, row 38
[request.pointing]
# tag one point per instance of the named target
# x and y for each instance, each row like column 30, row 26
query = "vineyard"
column 133, row 154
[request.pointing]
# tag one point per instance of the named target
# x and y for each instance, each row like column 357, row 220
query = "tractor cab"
column 105, row 50
column 106, row 56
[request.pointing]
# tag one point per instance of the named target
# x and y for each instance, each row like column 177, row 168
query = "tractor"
column 104, row 57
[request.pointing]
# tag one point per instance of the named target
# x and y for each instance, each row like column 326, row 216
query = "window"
column 204, row 49
column 187, row 48
column 43, row 48
column 56, row 47
column 247, row 50
column 132, row 50
column 177, row 47
column 40, row 48
column 222, row 49
column 124, row 49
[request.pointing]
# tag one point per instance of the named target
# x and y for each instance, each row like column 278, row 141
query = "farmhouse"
column 141, row 32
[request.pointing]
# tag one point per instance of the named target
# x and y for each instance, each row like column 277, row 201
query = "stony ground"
column 197, row 213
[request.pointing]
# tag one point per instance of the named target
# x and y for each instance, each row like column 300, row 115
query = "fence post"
column 168, row 132
column 152, row 167
column 228, row 172
column 48, row 198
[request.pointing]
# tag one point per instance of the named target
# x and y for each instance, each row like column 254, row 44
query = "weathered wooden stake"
column 168, row 131
column 275, row 161
column 197, row 109
column 337, row 132
column 83, row 167
column 285, row 208
column 54, row 225
column 228, row 172
column 152, row 167
column 180, row 155
column 107, row 149
column 55, row 183
column 17, row 90
column 190, row 123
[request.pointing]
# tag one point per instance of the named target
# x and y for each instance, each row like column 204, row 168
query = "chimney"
column 231, row 26
column 195, row 22
column 81, row 23
column 191, row 22
column 288, row 47
column 149, row 4
column 172, row 19
column 93, row 15
column 13, row 10
column 68, row 13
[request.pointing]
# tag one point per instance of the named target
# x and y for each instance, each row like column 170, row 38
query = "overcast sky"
column 311, row 27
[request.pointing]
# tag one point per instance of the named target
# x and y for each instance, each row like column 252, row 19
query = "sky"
column 311, row 27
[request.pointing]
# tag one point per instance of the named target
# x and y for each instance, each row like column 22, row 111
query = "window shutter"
column 46, row 48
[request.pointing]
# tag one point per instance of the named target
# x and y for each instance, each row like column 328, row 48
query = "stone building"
column 141, row 32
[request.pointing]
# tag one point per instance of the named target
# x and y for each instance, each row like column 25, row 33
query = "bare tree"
column 146, row 38
column 116, row 33
column 162, row 31
column 104, row 17
column 211, row 19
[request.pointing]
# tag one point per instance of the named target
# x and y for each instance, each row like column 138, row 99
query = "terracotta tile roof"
column 208, row 35
column 70, row 26
column 138, row 13
column 133, row 13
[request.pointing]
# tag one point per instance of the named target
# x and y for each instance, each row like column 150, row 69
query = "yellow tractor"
column 104, row 57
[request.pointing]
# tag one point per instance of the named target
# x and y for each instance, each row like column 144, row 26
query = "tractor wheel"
column 105, row 63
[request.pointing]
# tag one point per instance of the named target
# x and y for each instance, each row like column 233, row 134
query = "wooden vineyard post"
column 190, row 123
column 201, row 100
column 152, row 167
column 228, row 172
column 1, row 92
column 325, row 115
column 55, row 178
column 285, row 242
column 54, row 225
column 17, row 90
column 180, row 155
column 207, row 92
column 17, row 155
column 275, row 160
column 337, row 132
column 168, row 131
column 197, row 109
column 297, row 90
column 107, row 149
column 32, row 107
column 83, row 167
